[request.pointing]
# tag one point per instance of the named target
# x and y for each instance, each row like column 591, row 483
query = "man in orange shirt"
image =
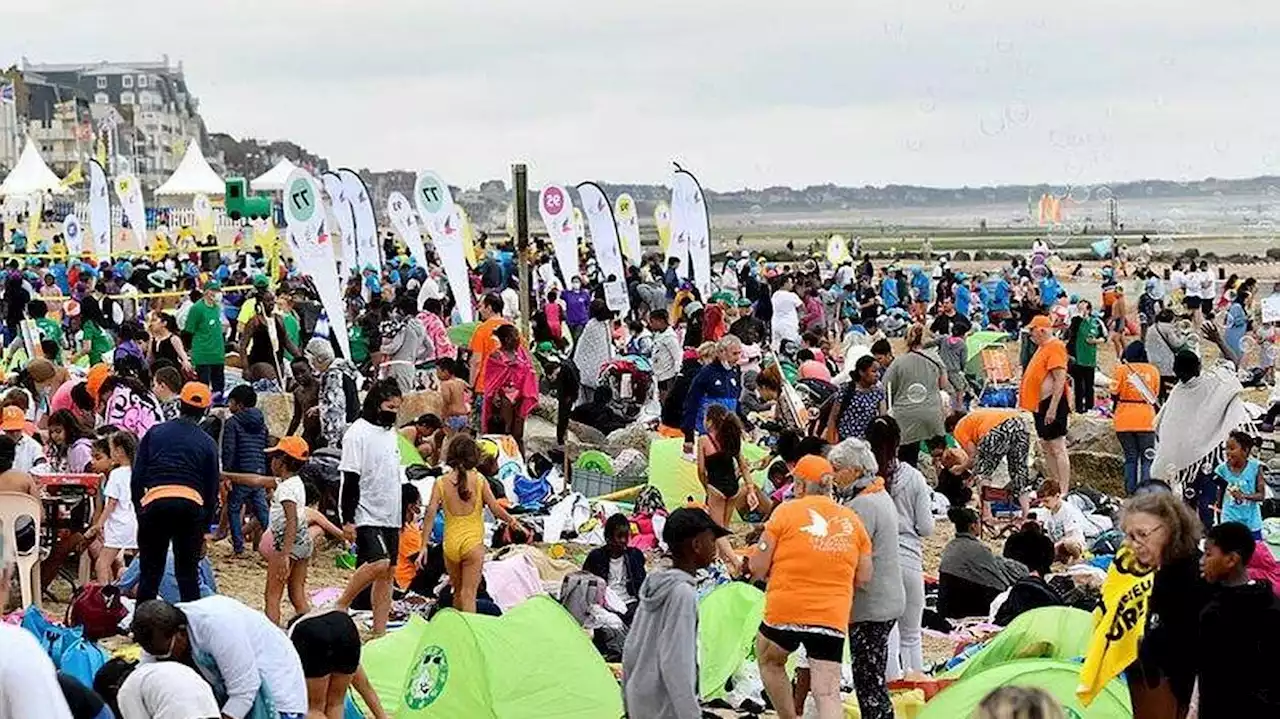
column 483, row 343
column 813, row 551
column 1044, row 392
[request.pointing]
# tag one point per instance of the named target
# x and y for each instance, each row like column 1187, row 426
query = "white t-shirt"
column 618, row 577
column 786, row 315
column 28, row 454
column 373, row 454
column 28, row 684
column 166, row 690
column 1067, row 523
column 510, row 304
column 289, row 490
column 120, row 530
column 250, row 652
column 1205, row 285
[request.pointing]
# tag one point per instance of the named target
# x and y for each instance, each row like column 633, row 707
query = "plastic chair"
column 12, row 506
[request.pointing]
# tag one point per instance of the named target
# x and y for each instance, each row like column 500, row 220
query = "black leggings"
column 1082, row 380
column 214, row 375
column 175, row 521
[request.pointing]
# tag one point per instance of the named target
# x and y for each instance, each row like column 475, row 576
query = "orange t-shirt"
column 977, row 423
column 407, row 556
column 483, row 344
column 1133, row 412
column 817, row 547
column 1050, row 356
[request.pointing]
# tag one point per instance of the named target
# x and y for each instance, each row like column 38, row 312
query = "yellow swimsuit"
column 462, row 532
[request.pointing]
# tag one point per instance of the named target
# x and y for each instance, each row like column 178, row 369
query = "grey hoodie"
column 660, row 660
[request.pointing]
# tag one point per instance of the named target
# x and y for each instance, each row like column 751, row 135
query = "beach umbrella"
column 975, row 343
column 461, row 334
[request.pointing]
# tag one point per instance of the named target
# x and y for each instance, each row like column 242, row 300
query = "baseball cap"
column 687, row 523
column 1040, row 322
column 692, row 307
column 261, row 281
column 13, row 419
column 295, row 447
column 213, row 285
column 812, row 468
column 196, row 394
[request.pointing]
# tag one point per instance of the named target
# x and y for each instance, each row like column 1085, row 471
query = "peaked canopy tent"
column 273, row 180
column 30, row 175
column 193, row 176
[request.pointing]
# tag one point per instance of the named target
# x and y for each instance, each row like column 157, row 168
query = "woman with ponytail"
column 463, row 494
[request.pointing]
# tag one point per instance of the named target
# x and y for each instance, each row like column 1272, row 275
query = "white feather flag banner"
column 304, row 216
column 598, row 214
column 691, row 228
column 557, row 214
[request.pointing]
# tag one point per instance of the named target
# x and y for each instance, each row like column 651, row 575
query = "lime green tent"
column 1044, row 633
column 728, row 619
column 677, row 477
column 975, row 343
column 1055, row 676
column 409, row 454
column 534, row 661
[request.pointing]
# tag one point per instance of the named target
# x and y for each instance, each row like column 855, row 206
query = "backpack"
column 837, row 401
column 579, row 591
column 97, row 610
column 351, row 392
column 70, row 652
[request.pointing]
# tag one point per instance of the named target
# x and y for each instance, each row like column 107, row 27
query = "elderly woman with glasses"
column 1164, row 534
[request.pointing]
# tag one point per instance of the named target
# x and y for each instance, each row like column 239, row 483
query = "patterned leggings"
column 868, row 645
column 1007, row 439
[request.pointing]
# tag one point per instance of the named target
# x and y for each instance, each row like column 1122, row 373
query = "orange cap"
column 196, row 395
column 13, row 419
column 97, row 375
column 812, row 468
column 295, row 447
column 1040, row 322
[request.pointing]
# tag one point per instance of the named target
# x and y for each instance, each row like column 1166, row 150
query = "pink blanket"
column 1264, row 566
column 439, row 335
column 503, row 371
column 512, row 580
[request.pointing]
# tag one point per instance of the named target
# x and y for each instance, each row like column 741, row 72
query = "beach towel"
column 512, row 580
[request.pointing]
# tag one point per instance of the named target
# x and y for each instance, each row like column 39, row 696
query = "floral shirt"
column 864, row 406
column 333, row 402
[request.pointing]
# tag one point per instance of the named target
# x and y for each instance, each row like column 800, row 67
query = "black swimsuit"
column 722, row 472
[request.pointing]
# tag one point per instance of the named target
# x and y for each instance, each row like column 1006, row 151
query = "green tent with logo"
column 534, row 661
column 677, row 477
column 409, row 455
column 1055, row 676
column 1044, row 633
column 728, row 619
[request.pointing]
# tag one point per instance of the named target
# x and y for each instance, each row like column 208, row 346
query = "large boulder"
column 1098, row 471
column 278, row 408
column 1092, row 434
column 635, row 436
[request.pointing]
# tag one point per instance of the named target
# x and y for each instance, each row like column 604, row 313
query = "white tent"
column 30, row 175
column 193, row 176
column 273, row 180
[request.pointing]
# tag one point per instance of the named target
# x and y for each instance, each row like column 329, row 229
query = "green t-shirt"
column 205, row 325
column 359, row 344
column 51, row 330
column 1087, row 353
column 291, row 329
column 99, row 342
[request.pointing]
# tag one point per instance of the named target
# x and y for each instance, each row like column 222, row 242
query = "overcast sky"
column 745, row 93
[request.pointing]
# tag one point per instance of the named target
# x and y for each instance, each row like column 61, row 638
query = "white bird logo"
column 817, row 526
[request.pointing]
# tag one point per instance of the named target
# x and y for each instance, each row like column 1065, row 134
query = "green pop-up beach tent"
column 975, row 343
column 728, row 619
column 677, row 477
column 1055, row 676
column 532, row 662
column 1044, row 633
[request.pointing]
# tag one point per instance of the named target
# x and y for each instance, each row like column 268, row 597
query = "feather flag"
column 662, row 221
column 557, row 214
column 604, row 241
column 628, row 220
column 691, row 227
column 99, row 211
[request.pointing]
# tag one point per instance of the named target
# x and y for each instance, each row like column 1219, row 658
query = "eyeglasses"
column 1141, row 536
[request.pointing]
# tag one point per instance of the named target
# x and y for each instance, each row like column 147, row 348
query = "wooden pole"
column 520, row 186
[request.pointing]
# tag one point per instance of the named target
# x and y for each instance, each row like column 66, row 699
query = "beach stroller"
column 630, row 379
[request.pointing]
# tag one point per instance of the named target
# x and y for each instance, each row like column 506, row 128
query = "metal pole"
column 520, row 186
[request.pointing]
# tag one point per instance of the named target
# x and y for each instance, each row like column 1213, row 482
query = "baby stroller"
column 630, row 379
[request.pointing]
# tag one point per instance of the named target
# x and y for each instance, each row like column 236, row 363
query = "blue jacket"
column 244, row 442
column 889, row 293
column 963, row 300
column 177, row 452
column 923, row 286
column 714, row 384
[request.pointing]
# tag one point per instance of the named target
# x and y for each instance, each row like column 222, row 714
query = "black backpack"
column 838, row 401
column 352, row 394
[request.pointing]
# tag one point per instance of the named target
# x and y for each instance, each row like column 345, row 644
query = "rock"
column 1273, row 253
column 1092, row 434
column 1103, row 472
column 636, row 436
column 278, row 409
column 587, row 435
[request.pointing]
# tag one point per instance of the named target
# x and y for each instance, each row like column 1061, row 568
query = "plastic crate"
column 596, row 484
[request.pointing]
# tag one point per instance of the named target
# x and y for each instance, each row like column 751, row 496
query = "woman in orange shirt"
column 1137, row 385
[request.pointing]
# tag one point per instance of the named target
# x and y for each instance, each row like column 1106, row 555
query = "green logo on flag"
column 429, row 679
column 1072, row 713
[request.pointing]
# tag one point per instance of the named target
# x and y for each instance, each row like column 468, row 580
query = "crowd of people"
column 856, row 379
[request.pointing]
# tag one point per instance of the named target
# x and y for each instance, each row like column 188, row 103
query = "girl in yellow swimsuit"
column 463, row 494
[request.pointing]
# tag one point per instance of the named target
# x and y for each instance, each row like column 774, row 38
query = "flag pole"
column 520, row 186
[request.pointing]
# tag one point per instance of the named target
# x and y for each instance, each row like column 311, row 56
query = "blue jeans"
column 1137, row 463
column 240, row 496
